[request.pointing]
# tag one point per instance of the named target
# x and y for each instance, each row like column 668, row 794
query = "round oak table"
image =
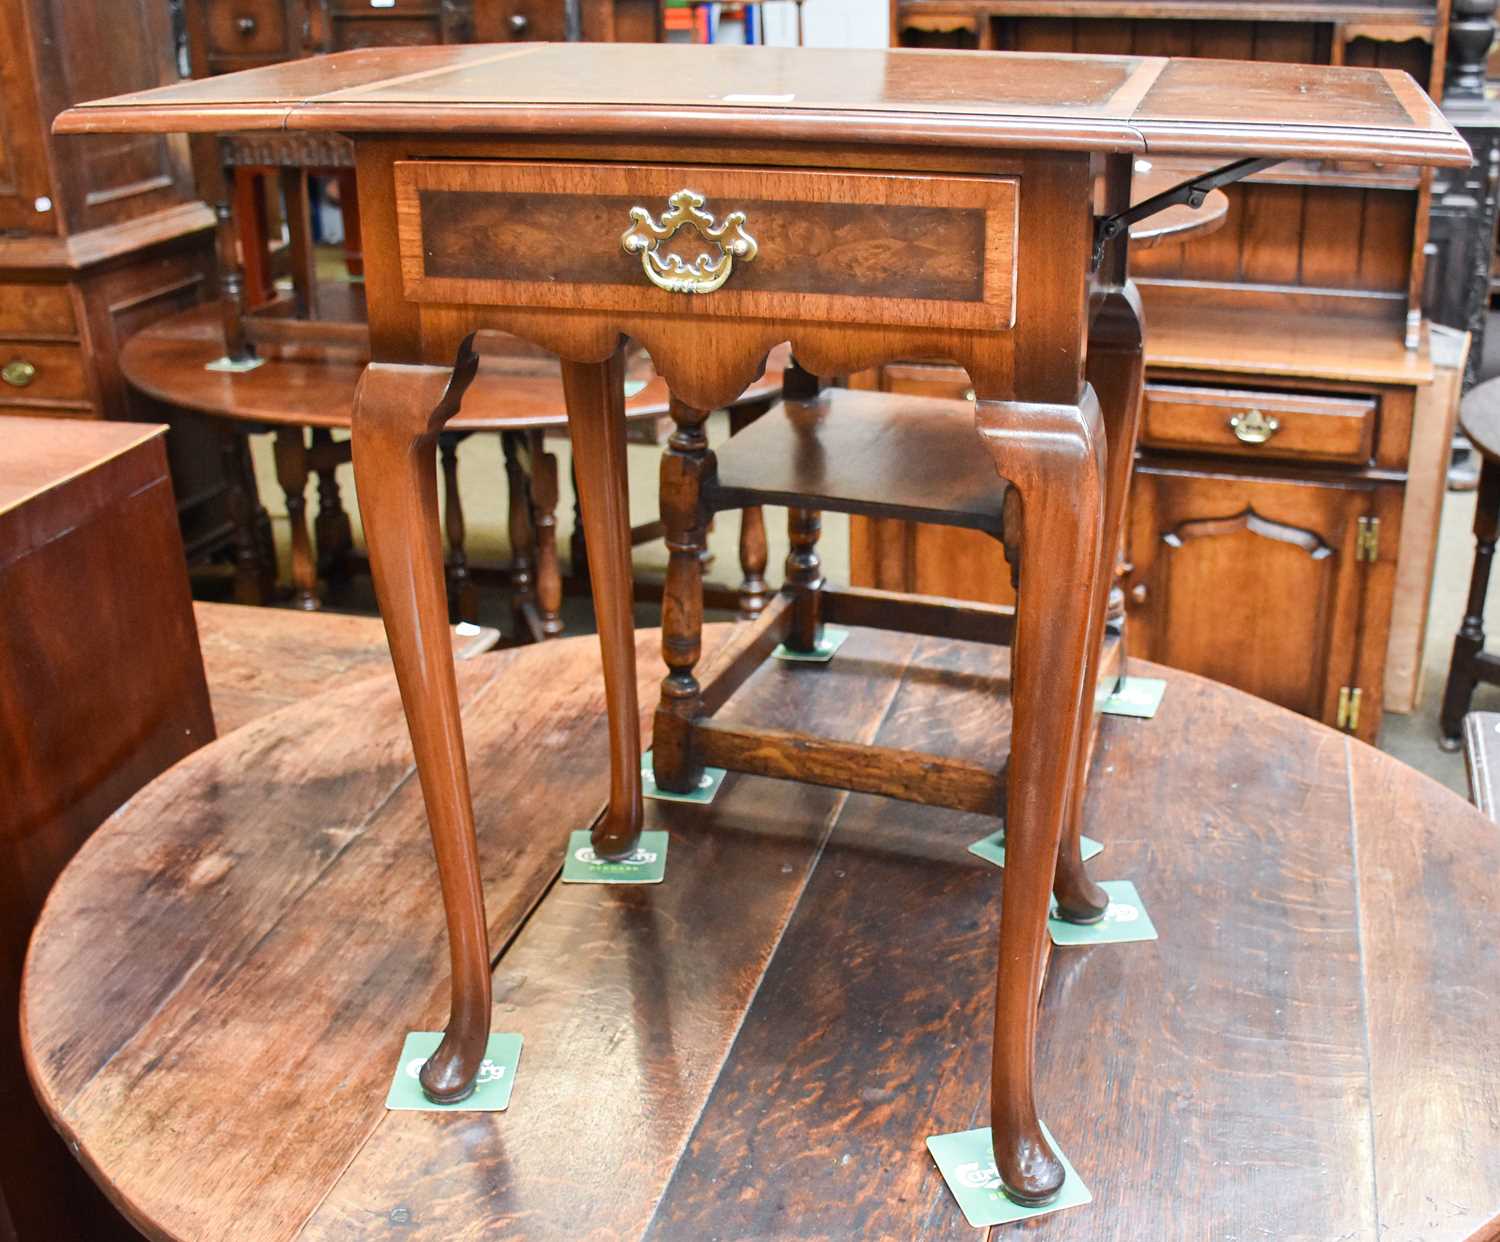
column 303, row 394
column 757, row 1047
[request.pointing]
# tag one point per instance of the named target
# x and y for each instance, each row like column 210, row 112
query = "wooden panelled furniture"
column 97, row 238
column 879, row 205
column 761, row 1044
column 1288, row 372
column 101, row 689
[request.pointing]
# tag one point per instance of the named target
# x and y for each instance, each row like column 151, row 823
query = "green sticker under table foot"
column 833, row 639
column 647, row 865
column 1132, row 696
column 708, row 784
column 1125, row 920
column 992, row 848
column 497, row 1075
column 967, row 1163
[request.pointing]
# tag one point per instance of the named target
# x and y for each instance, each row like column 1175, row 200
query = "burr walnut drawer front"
column 1259, row 424
column 31, row 371
column 745, row 243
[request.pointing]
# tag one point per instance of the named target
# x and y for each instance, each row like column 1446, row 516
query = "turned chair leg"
column 754, row 554
column 292, row 473
column 398, row 413
column 595, row 395
column 1116, row 370
column 254, row 556
column 685, row 466
column 332, row 534
column 1468, row 643
column 522, row 535
column 1053, row 458
column 544, row 496
column 463, row 604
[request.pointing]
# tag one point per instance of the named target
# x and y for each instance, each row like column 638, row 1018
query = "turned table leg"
column 544, row 497
column 398, row 412
column 754, row 554
column 522, row 536
column 332, row 532
column 292, row 473
column 1053, row 457
column 684, row 467
column 254, row 555
column 595, row 395
column 460, row 582
column 1116, row 370
column 1468, row 643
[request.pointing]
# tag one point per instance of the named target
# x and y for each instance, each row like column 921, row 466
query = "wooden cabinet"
column 1280, row 583
column 98, row 235
column 103, row 689
column 1286, row 352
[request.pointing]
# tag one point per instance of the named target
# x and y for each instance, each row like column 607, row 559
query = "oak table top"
column 221, row 980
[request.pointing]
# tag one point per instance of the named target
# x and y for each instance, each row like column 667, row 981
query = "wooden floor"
column 758, row 1047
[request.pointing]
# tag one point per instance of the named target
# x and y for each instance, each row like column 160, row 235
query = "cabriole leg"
column 1053, row 457
column 398, row 412
column 596, row 423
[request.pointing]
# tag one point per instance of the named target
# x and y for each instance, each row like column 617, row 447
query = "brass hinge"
column 1367, row 541
column 1348, row 719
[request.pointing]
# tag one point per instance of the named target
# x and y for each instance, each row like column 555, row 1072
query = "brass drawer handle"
column 704, row 274
column 18, row 373
column 1253, row 427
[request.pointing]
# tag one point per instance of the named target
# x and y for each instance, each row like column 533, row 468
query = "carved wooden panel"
column 1257, row 582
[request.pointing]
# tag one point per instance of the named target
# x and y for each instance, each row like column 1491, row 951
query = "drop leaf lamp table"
column 711, row 203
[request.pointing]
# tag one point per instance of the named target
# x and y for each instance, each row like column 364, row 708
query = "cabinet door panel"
column 1255, row 582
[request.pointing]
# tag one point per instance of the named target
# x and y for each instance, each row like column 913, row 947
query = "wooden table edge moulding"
column 868, row 206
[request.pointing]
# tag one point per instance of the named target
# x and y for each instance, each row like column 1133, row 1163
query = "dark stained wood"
column 765, row 1000
column 857, row 452
column 259, row 660
column 103, row 690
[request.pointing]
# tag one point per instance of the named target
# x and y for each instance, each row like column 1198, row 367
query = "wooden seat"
column 758, row 1046
column 1471, row 664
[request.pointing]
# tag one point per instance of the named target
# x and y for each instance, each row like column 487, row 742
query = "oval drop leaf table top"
column 742, row 94
column 757, row 1048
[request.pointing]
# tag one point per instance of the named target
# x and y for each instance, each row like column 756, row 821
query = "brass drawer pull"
column 704, row 274
column 1253, row 427
column 18, row 373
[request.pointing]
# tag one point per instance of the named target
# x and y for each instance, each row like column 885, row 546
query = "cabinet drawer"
column 247, row 28
column 762, row 243
column 36, row 310
column 1259, row 424
column 31, row 371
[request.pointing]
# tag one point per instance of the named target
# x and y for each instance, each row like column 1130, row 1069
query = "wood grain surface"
column 758, row 1047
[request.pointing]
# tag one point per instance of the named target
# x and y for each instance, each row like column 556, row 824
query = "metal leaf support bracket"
column 646, row 236
column 1191, row 192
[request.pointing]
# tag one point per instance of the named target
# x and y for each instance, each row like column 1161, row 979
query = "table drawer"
column 36, row 310
column 757, row 243
column 32, row 371
column 247, row 28
column 1259, row 424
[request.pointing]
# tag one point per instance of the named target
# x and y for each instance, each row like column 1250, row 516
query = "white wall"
column 829, row 23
